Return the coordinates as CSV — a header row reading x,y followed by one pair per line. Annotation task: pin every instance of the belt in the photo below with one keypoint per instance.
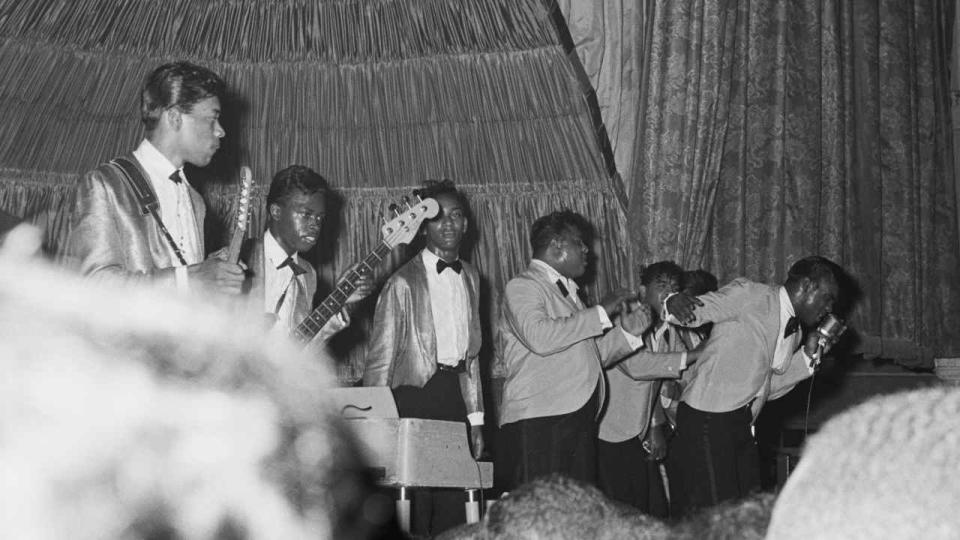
x,y
459,367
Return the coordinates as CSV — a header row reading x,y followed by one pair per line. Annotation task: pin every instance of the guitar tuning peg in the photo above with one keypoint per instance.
x,y
383,220
393,208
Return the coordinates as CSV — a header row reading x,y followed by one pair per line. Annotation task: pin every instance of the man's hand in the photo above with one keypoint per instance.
x,y
612,302
655,443
218,275
811,344
476,441
636,320
365,284
682,306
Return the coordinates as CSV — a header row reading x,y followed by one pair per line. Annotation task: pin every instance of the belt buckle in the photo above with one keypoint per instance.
x,y
460,367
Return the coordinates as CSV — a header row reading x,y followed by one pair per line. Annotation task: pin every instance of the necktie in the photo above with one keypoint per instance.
x,y
563,288
792,324
442,265
175,176
298,301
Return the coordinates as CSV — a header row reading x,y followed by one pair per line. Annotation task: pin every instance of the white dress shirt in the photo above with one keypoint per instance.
x,y
277,282
450,307
176,207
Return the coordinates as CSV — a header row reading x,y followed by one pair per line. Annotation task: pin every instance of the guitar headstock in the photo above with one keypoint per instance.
x,y
403,228
243,198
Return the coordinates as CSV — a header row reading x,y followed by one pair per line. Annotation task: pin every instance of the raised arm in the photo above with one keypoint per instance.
x,y
525,311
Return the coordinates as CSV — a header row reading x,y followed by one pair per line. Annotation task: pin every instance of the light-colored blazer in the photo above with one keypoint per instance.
x,y
111,240
736,361
551,350
634,389
403,347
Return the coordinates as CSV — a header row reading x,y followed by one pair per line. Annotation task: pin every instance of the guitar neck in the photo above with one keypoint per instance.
x,y
334,302
236,240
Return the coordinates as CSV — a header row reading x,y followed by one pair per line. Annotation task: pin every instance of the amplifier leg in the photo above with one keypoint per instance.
x,y
403,510
472,506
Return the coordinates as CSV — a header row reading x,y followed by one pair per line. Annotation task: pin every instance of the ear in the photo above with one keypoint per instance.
x,y
174,118
274,211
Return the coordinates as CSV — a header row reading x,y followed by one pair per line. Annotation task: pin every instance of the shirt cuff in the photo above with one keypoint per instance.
x,y
632,340
604,319
475,418
683,360
180,276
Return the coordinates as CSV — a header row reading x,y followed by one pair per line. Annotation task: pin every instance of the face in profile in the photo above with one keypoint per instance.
x,y
574,254
816,299
445,232
295,221
200,132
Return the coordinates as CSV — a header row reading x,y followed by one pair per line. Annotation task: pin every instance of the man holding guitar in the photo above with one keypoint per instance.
x,y
281,281
136,218
425,344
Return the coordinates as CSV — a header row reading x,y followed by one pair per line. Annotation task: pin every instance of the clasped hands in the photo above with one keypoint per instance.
x,y
635,317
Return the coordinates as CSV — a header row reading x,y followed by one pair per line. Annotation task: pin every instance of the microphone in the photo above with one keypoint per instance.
x,y
831,327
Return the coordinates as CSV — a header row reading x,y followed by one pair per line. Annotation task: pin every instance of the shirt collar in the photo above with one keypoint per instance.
x,y
154,162
430,258
274,253
553,275
786,308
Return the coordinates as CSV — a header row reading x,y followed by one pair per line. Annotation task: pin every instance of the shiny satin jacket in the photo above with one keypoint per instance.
x,y
403,351
111,239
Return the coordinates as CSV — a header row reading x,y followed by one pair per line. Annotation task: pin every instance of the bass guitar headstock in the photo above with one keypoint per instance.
x,y
407,220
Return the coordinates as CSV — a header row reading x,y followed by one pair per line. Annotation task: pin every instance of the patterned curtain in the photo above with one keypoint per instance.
x,y
774,129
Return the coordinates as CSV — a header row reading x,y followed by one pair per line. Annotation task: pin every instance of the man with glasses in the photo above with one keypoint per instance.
x,y
137,218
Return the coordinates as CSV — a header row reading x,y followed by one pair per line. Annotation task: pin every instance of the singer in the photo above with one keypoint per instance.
x,y
753,354
137,218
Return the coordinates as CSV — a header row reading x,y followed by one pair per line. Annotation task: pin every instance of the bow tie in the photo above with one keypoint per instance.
x,y
175,176
793,324
442,265
297,269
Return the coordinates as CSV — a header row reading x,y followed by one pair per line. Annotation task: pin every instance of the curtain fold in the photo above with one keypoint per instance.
x,y
777,129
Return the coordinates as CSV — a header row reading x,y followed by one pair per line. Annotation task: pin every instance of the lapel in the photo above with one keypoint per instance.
x,y
422,311
540,275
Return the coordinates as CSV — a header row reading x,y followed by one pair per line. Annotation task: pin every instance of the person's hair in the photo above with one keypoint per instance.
x,y
663,271
434,188
100,419
295,179
697,282
179,84
555,225
815,268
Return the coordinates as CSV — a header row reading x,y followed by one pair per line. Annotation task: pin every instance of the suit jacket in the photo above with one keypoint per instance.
x,y
253,255
736,361
634,389
110,239
403,348
552,351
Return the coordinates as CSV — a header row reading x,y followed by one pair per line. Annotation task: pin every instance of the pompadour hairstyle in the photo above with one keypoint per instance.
x,y
295,179
179,84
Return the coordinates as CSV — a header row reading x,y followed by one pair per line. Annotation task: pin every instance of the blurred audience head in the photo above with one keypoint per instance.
x,y
885,469
128,413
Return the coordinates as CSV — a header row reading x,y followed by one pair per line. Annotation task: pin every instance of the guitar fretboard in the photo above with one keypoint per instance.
x,y
333,303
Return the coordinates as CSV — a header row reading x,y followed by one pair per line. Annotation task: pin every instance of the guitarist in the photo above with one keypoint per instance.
x,y
281,282
136,218
425,344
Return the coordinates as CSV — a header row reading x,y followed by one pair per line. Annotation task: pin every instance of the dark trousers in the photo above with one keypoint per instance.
x,y
434,510
626,474
535,447
713,459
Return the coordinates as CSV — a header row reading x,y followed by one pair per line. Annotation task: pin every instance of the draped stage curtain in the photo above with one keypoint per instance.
x,y
774,129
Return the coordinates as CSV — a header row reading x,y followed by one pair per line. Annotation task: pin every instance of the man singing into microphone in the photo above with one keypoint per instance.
x,y
753,354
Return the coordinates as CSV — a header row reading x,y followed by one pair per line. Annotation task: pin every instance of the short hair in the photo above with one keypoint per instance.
x,y
697,282
886,468
668,271
179,84
294,179
814,268
433,188
554,225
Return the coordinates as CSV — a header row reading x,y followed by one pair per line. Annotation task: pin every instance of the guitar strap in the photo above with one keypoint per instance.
x,y
146,198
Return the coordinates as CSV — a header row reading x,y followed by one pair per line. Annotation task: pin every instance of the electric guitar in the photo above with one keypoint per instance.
x,y
400,230
242,214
